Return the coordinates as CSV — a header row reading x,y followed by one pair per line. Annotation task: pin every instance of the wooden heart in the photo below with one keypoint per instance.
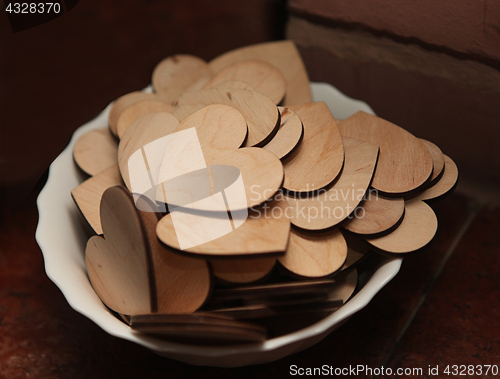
x,y
314,255
437,160
289,134
444,185
264,77
242,270
96,151
376,214
263,230
87,195
320,157
146,129
233,84
182,283
123,102
198,327
173,75
261,114
282,54
404,163
139,109
417,229
119,265
330,207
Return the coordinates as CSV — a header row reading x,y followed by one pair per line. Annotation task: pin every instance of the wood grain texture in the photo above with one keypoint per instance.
x,y
330,207
357,249
261,114
217,126
88,194
242,270
118,265
198,327
289,134
182,284
445,184
319,158
233,84
139,109
285,56
144,130
264,231
417,229
123,102
314,255
404,162
376,214
173,75
437,160
263,76
96,151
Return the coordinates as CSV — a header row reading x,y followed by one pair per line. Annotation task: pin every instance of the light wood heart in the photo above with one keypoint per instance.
x,y
96,151
237,271
264,230
144,130
319,158
289,134
233,84
437,160
316,254
376,214
87,196
217,126
264,77
330,207
182,283
404,162
123,102
417,229
261,114
118,265
282,54
173,75
139,109
445,184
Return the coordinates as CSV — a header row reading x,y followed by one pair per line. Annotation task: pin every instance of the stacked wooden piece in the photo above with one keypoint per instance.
x,y
316,195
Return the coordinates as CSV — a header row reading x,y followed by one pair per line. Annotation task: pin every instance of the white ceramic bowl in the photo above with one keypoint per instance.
x,y
62,235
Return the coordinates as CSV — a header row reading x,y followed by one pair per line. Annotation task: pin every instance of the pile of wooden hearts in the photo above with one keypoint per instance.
x,y
319,193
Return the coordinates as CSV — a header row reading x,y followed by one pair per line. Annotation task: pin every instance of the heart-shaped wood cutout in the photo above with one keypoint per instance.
x,y
263,230
233,84
122,103
404,163
182,283
87,195
417,229
173,75
242,270
261,114
146,129
96,151
319,158
330,207
282,54
314,255
376,214
437,160
444,185
262,76
139,109
289,135
118,265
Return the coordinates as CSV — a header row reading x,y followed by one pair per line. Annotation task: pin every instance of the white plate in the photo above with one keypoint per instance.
x,y
62,235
